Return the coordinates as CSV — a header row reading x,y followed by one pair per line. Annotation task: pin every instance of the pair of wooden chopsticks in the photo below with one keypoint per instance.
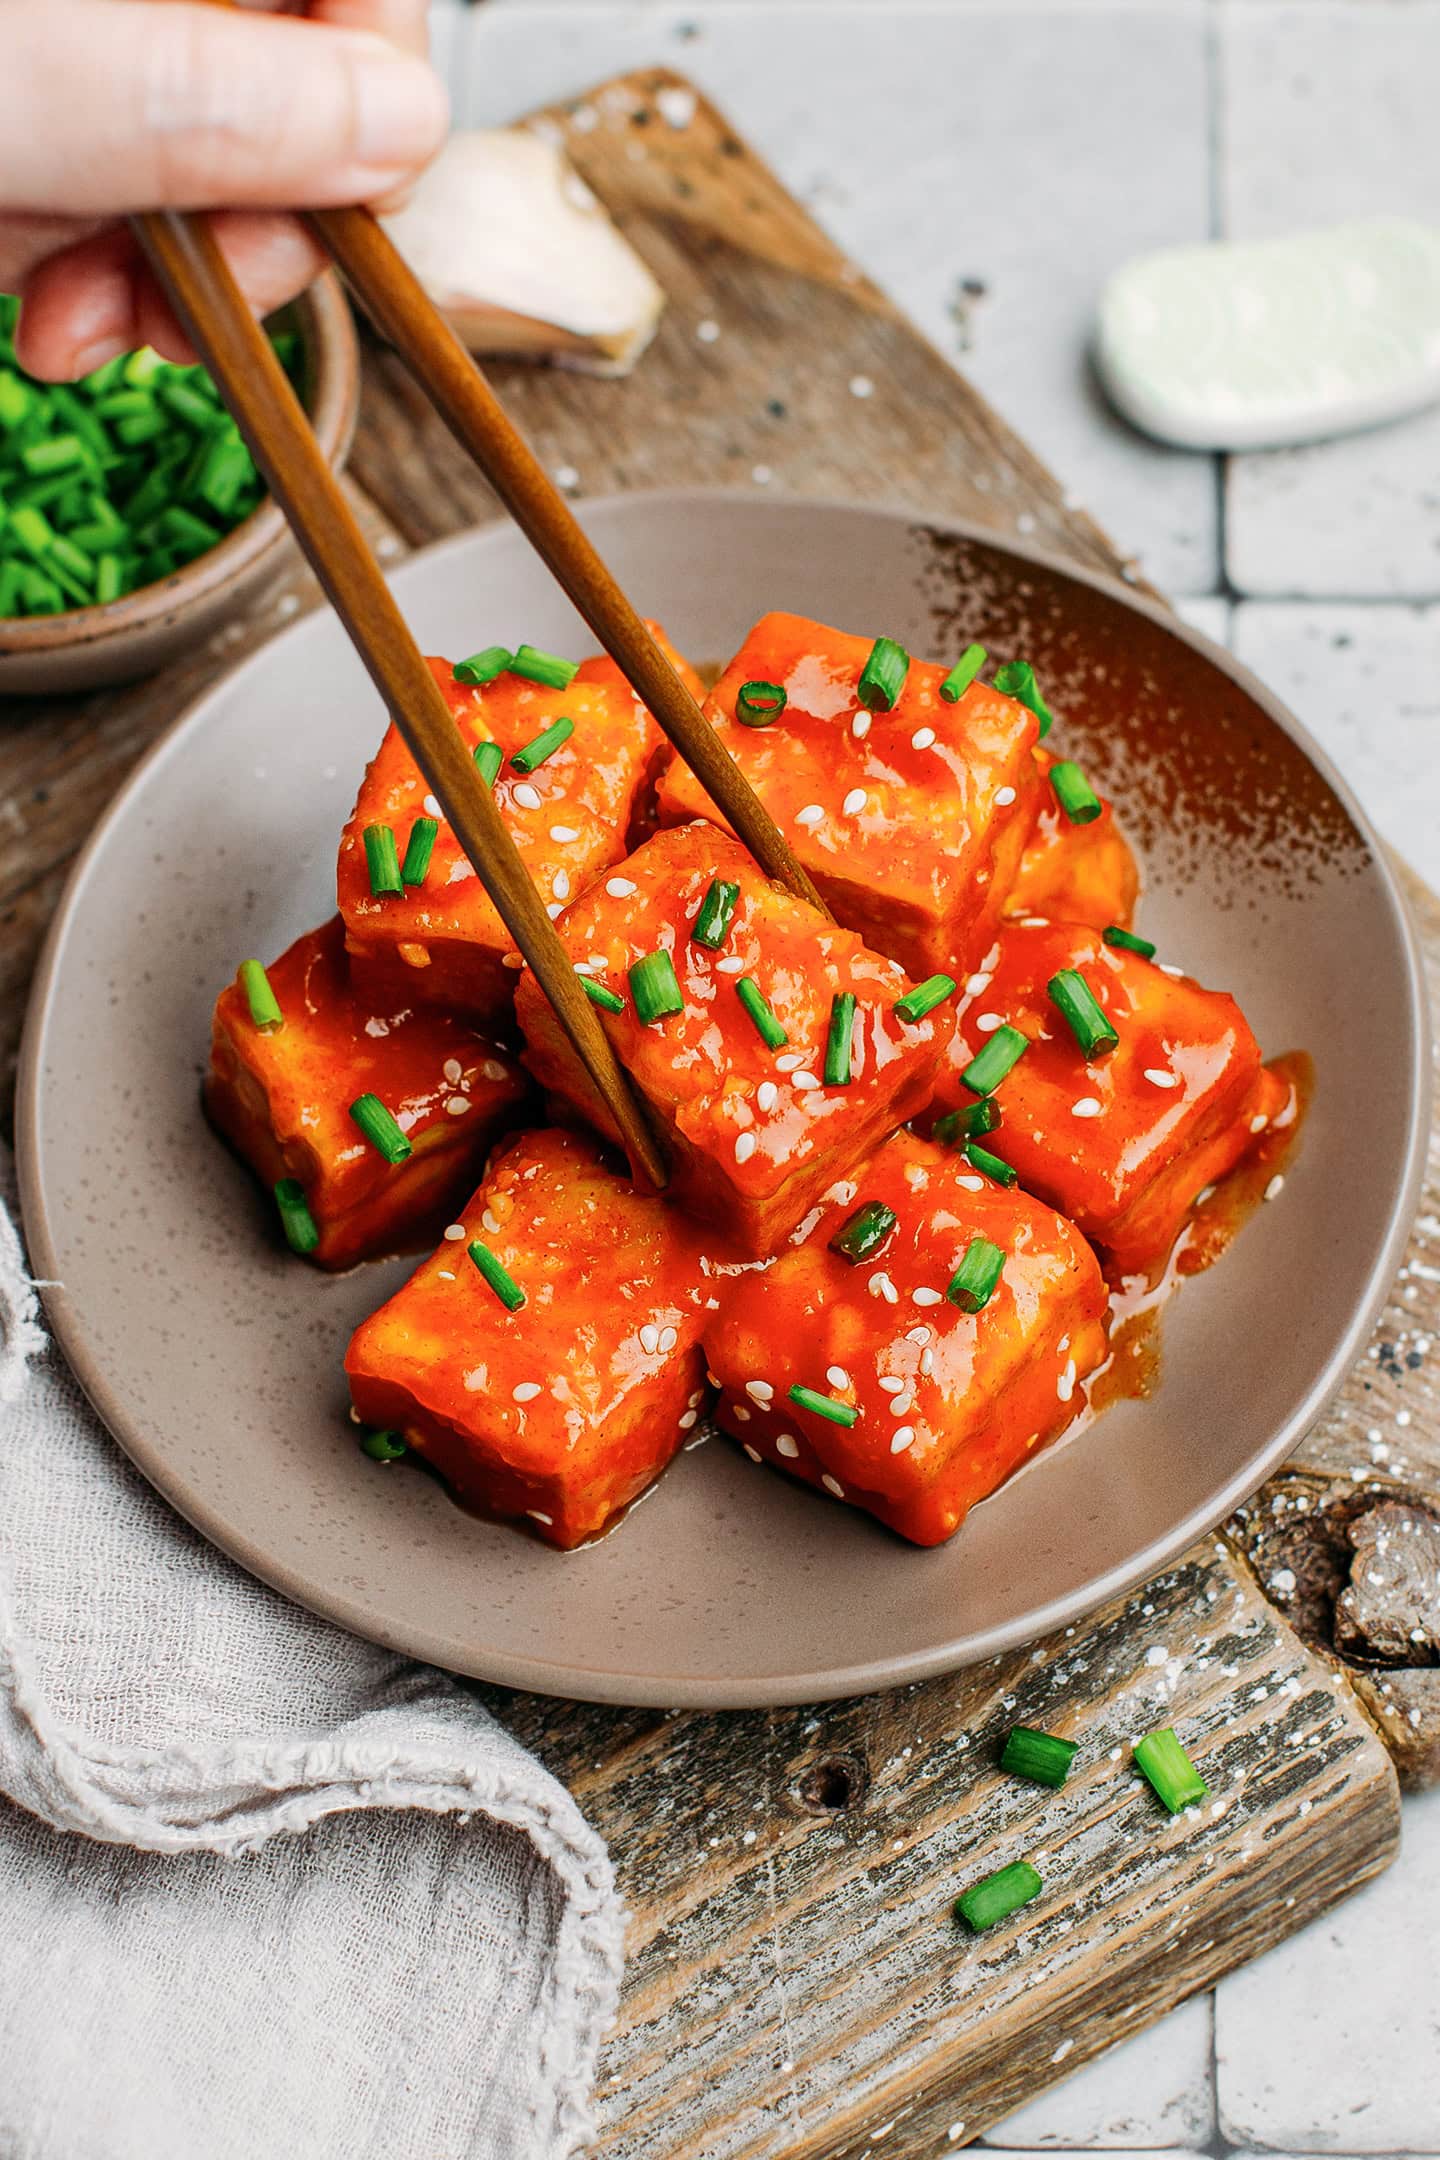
x,y
207,301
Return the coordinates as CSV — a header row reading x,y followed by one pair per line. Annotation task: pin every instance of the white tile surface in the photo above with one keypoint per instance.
x,y
1155,2090
1331,2043
1327,112
966,187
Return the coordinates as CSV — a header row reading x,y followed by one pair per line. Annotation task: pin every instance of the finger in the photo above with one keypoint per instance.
x,y
141,107
405,23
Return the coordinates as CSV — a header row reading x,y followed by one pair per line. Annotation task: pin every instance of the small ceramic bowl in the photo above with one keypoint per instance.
x,y
143,630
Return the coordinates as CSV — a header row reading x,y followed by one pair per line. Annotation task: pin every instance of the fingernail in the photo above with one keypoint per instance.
x,y
96,354
401,111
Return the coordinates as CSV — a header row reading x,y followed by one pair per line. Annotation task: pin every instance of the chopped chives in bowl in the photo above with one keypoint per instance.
x,y
1127,941
711,926
544,667
989,1066
839,1039
925,997
483,667
542,746
1074,793
960,677
1166,1767
1039,1756
418,850
1082,1011
264,1005
1017,679
865,1232
115,481
883,676
767,1027
655,987
758,703
996,1896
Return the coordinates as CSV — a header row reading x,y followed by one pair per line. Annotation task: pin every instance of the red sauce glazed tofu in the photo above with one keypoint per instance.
x,y
562,1412
1122,1143
911,822
282,1098
1075,873
753,1132
442,942
947,1402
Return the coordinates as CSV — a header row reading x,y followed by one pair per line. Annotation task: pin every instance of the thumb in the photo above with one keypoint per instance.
x,y
115,105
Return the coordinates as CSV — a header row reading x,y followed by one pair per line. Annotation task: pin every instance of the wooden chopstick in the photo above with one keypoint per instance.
x,y
200,287
400,308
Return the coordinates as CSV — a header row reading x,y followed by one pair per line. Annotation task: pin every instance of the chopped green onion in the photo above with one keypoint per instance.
x,y
1074,793
654,987
1017,679
418,850
264,1005
925,997
767,1027
483,667
883,676
57,453
717,911
608,1000
973,1284
31,528
996,1896
1087,1018
960,677
989,1066
489,757
296,1219
967,1124
542,746
1164,1764
991,1166
544,667
383,1446
758,703
383,860
823,1406
865,1232
380,1128
839,1039
1039,1756
497,1276
1126,941
109,578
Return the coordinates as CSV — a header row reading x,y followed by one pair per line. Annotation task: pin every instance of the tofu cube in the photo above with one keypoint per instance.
x,y
282,1097
560,1413
938,1404
1072,873
753,1131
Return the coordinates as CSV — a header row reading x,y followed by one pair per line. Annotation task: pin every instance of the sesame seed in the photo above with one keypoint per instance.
x,y
1275,1186
536,1516
987,1023
861,386
891,1385
1088,1106
787,1445
650,1339
922,738
668,1340
837,1376
1065,1385
432,808
971,1184
525,1390
563,833
732,964
512,960
739,1412
458,1105
761,475
901,1438
707,331
790,1063
766,1095
881,1286
584,967
1258,1124
860,726
854,802
490,1222
697,1398
976,983
565,476
1166,968
833,1485
812,814
560,885
554,908
760,1391
620,888
453,1070
925,1296
1004,796
803,1080
902,1403
528,797
753,1453
1158,1077
918,1334
687,1419
927,1360
744,1146
454,1232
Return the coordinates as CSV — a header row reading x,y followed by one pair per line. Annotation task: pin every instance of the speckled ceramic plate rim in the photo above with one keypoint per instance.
x,y
552,1676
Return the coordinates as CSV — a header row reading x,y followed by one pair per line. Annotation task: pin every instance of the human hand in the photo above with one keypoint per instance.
x,y
111,106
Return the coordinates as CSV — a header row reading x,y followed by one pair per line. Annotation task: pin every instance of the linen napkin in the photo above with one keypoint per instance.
x,y
265,1889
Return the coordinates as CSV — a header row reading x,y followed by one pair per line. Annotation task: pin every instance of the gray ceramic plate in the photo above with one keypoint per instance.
x,y
216,1361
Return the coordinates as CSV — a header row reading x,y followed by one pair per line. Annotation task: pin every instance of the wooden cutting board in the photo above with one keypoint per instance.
x,y
796,1985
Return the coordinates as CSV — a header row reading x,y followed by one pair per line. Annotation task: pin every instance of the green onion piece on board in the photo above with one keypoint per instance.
x,y
758,703
973,1284
544,745
380,1129
383,860
865,1232
989,1066
1038,1756
654,987
1082,1011
996,1896
598,994
1017,679
296,1220
383,1446
264,1005
711,926
497,1276
489,757
1074,793
839,1039
544,667
1164,1764
967,1124
991,1166
883,676
1126,941
767,1027
960,677
925,997
483,667
822,1406
418,850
